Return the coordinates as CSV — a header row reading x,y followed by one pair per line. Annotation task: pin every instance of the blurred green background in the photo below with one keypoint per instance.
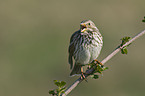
x,y
34,40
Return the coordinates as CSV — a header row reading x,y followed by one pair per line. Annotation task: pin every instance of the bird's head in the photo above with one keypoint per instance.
x,y
87,25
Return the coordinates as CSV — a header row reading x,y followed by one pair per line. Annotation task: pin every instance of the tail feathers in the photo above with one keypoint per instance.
x,y
76,70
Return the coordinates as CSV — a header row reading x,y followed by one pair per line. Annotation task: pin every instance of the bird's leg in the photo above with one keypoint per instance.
x,y
82,73
99,62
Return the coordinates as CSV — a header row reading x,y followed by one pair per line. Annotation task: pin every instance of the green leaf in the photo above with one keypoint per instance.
x,y
51,92
62,89
101,69
95,77
99,72
124,40
63,92
105,68
57,83
57,90
62,83
124,51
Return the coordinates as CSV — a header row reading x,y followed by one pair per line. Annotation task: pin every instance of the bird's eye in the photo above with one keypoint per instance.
x,y
89,24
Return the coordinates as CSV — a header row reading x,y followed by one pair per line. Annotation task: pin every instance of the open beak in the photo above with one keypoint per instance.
x,y
83,27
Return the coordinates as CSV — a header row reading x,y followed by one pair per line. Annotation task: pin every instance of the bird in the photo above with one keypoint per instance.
x,y
85,46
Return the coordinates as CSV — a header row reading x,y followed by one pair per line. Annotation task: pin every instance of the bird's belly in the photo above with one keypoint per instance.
x,y
83,56
95,51
86,55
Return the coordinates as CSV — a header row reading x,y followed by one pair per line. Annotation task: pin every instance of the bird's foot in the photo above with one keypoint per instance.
x,y
98,62
83,77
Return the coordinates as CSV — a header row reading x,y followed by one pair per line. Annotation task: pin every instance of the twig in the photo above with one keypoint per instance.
x,y
67,91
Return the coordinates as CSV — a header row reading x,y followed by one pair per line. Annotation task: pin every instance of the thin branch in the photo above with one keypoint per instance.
x,y
118,49
67,91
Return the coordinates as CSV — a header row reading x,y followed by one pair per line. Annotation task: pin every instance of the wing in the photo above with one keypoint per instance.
x,y
72,47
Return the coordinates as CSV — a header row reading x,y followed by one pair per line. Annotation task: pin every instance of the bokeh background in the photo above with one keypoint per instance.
x,y
34,40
